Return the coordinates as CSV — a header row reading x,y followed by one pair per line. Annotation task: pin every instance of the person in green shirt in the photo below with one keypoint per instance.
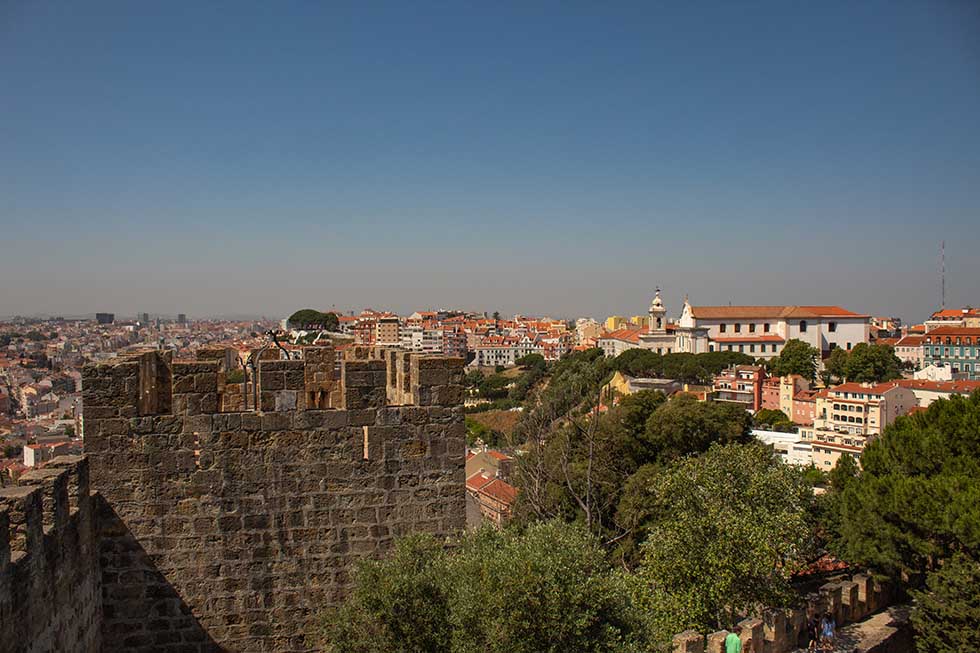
x,y
733,644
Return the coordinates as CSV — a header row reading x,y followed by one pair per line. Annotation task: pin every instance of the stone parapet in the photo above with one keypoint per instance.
x,y
783,630
50,586
231,530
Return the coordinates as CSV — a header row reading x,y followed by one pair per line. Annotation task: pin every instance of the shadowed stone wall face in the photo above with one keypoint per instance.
x,y
231,530
50,598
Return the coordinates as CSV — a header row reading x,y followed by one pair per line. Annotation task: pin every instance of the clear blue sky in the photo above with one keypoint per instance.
x,y
553,158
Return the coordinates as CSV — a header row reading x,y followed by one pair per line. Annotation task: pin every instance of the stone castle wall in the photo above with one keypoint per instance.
x,y
781,631
232,530
50,597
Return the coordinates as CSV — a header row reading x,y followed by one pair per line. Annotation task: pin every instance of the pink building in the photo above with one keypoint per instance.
x,y
741,384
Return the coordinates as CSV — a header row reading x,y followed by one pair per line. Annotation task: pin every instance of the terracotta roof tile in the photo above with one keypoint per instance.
x,y
774,312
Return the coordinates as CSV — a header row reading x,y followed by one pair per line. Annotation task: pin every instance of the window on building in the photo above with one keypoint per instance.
x,y
832,327
765,327
752,328
711,347
752,348
848,345
741,348
722,327
802,326
738,328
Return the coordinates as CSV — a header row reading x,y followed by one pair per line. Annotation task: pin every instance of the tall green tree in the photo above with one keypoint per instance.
x,y
836,364
726,531
308,318
685,425
547,589
398,605
797,357
872,364
946,614
917,501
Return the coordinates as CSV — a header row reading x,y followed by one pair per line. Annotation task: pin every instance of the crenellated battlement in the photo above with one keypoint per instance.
x,y
251,520
782,630
49,580
363,378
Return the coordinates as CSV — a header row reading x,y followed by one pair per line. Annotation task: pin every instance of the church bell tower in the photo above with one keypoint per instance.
x,y
658,315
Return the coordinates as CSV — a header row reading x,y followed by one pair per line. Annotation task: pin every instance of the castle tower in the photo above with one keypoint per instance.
x,y
658,315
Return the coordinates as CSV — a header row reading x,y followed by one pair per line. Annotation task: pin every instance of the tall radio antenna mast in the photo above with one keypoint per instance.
x,y
942,259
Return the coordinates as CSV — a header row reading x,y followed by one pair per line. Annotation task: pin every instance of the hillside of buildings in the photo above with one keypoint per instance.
x,y
825,443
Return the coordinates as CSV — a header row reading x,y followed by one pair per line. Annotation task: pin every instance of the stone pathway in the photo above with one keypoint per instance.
x,y
874,631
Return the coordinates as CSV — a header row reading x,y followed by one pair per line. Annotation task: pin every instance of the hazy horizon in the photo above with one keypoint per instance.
x,y
254,158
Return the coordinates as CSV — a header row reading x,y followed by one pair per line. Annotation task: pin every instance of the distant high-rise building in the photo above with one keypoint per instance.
x,y
181,318
144,318
105,318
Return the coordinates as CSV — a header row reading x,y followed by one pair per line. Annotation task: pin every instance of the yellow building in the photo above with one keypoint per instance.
x,y
615,322
641,321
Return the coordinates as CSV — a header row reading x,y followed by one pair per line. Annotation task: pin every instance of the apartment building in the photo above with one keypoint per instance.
x,y
968,317
849,415
909,350
954,346
454,342
387,331
741,385
504,350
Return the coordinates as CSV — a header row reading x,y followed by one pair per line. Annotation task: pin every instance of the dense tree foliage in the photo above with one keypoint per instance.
x,y
726,530
872,364
310,319
548,589
475,431
917,502
399,604
532,361
690,368
797,357
946,616
685,425
773,420
580,468
836,365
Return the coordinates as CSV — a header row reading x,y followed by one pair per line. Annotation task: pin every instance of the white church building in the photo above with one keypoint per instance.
x,y
759,331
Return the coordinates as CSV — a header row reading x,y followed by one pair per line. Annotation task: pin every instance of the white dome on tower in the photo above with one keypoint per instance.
x,y
657,304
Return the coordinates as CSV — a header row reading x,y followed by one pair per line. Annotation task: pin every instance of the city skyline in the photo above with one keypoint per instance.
x,y
552,160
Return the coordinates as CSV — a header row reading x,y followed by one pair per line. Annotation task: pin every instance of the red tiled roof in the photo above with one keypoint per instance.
x,y
823,565
500,490
956,312
477,481
875,389
954,331
718,312
910,341
959,387
750,338
626,334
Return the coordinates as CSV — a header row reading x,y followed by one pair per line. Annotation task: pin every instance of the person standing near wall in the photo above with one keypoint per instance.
x,y
733,644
